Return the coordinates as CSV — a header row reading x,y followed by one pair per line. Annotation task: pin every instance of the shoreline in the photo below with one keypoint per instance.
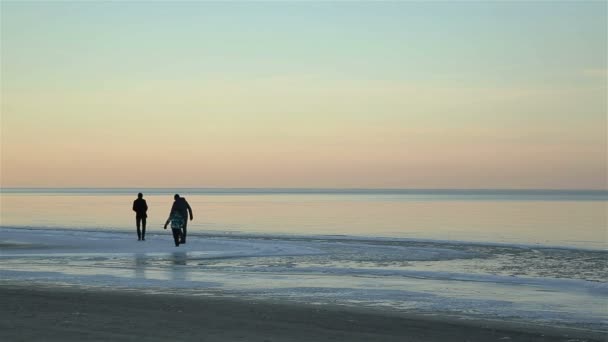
x,y
72,314
222,234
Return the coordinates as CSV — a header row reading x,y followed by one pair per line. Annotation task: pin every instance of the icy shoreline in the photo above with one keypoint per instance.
x,y
424,277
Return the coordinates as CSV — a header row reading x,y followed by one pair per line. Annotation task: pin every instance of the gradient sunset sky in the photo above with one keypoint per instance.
x,y
324,94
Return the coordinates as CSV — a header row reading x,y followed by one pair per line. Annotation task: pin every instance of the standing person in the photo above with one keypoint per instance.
x,y
177,223
140,207
181,206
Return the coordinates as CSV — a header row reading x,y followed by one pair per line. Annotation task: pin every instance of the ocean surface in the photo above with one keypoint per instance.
x,y
535,256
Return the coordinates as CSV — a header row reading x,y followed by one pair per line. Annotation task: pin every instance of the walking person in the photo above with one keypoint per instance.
x,y
140,207
177,223
181,206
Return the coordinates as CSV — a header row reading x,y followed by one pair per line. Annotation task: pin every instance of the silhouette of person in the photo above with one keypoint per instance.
x,y
140,207
181,206
177,223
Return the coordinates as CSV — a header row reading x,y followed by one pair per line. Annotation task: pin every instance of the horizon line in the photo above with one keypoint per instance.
x,y
303,188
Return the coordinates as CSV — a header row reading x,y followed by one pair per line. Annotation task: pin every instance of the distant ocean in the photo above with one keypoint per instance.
x,y
537,256
532,217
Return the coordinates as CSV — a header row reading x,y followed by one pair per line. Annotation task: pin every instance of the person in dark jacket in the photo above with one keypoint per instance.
x,y
140,207
177,224
181,206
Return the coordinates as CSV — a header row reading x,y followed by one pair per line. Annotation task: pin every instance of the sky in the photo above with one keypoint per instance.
x,y
304,94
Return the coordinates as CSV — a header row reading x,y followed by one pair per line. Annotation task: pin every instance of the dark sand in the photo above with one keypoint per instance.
x,y
60,314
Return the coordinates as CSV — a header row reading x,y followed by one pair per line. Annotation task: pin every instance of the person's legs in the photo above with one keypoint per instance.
x,y
137,220
184,230
176,236
143,226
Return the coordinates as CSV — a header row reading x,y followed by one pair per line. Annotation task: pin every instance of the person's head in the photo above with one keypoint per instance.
x,y
176,197
140,195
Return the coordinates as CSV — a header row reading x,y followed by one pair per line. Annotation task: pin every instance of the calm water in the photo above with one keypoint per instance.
x,y
560,218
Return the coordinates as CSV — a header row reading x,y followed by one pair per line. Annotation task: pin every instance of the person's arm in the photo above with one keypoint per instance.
x,y
134,208
145,206
166,223
189,211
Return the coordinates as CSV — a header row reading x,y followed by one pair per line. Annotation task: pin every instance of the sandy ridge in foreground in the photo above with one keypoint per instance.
x,y
66,314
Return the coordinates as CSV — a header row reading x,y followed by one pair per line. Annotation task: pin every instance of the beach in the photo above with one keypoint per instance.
x,y
87,277
66,314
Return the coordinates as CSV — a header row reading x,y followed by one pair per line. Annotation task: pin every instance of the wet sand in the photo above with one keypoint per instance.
x,y
66,314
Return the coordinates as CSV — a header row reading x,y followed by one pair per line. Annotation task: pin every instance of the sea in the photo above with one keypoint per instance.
x,y
528,256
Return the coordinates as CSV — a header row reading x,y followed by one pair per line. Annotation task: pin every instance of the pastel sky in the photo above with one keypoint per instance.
x,y
323,94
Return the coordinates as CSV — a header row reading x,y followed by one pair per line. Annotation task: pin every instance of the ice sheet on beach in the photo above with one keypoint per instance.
x,y
33,242
549,286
